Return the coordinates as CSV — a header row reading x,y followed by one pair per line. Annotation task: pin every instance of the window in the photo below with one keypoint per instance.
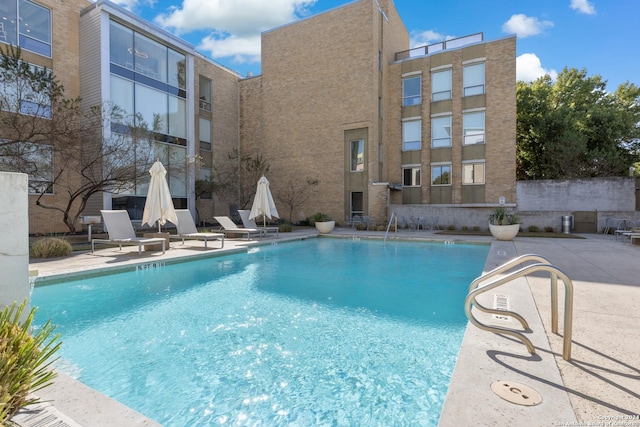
x,y
441,174
411,176
205,176
441,132
357,155
357,203
36,160
473,173
441,85
19,96
473,128
473,79
411,135
411,91
204,87
205,133
33,33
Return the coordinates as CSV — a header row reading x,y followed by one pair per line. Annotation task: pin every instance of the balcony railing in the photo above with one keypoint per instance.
x,y
437,47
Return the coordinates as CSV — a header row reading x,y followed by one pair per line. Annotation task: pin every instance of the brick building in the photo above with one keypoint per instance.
x,y
341,100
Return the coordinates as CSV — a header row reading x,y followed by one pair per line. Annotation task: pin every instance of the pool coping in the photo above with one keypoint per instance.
x,y
470,379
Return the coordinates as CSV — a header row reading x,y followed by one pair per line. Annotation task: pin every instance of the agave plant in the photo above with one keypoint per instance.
x,y
25,360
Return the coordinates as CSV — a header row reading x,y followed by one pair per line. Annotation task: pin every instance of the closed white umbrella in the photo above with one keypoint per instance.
x,y
263,203
159,206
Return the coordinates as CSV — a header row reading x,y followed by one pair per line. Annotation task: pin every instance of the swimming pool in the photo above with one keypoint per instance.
x,y
316,332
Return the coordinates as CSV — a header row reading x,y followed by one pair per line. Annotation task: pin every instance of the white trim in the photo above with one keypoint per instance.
x,y
412,73
436,115
412,119
441,163
441,68
484,161
473,61
474,110
412,165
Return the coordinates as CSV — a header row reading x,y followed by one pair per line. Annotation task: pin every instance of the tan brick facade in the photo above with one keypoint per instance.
x,y
325,80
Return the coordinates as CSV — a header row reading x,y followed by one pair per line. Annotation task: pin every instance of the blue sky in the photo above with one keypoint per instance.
x,y
602,36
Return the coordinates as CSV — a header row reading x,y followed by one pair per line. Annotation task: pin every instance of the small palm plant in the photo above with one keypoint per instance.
x,y
25,360
501,216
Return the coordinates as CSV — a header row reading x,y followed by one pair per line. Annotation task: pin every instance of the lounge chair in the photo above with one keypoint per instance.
x,y
121,232
229,227
250,223
186,229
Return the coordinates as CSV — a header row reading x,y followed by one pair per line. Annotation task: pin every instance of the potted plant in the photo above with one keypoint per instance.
x,y
323,222
503,224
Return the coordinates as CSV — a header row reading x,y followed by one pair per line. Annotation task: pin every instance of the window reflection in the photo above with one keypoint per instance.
x,y
34,31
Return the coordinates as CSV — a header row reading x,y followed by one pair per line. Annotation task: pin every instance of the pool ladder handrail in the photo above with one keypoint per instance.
x,y
543,264
393,218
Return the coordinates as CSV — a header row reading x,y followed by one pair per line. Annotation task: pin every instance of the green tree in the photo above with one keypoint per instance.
x,y
62,145
574,128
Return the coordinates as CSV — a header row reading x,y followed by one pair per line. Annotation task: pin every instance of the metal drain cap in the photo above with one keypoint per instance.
x,y
517,393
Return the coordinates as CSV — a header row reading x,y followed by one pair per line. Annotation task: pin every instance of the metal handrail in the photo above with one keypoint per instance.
x,y
393,217
524,271
508,266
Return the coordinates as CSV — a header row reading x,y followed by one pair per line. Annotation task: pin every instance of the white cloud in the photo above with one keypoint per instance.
x,y
133,4
583,6
428,37
233,26
529,68
525,26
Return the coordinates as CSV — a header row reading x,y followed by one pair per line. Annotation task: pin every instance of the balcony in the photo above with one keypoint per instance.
x,y
438,47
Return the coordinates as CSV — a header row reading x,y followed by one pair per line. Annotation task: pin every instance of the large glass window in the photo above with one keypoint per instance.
x,y
205,175
441,132
121,45
411,135
8,19
19,96
152,106
204,129
122,94
473,79
411,176
35,27
34,30
441,85
473,173
357,155
36,160
177,117
204,88
411,91
174,159
473,128
441,174
150,57
177,69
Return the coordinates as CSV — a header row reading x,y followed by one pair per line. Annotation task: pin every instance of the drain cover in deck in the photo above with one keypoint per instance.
x,y
516,393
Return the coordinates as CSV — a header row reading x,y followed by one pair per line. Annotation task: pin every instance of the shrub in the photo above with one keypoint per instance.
x,y
533,229
383,228
50,247
25,360
451,227
285,227
476,228
548,229
319,217
361,226
465,228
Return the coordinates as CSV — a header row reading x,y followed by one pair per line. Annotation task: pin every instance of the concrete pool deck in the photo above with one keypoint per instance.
x,y
599,385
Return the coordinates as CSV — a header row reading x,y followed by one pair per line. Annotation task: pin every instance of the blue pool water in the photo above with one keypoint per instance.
x,y
316,332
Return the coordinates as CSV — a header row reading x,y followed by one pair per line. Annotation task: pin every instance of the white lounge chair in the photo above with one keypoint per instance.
x,y
250,223
121,232
229,227
186,229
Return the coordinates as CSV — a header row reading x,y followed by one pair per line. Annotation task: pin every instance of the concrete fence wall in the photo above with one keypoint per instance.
x,y
543,204
14,245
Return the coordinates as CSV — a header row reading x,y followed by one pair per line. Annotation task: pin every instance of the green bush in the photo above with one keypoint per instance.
x,y
50,247
319,217
25,360
285,227
476,228
548,229
451,228
533,229
361,226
